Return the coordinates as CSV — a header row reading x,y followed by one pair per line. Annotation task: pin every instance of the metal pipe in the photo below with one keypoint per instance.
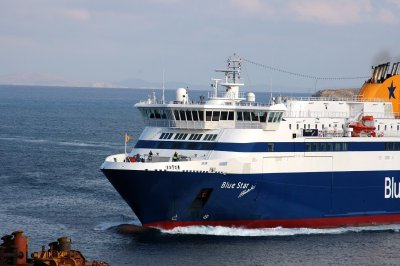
x,y
396,69
386,70
379,73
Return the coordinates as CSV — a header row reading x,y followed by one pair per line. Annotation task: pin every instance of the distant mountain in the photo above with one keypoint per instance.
x,y
36,79
170,85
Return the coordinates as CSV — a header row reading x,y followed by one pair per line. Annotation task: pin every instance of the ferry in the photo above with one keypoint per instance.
x,y
228,160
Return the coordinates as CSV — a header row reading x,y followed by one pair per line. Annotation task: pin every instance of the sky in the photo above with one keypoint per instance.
x,y
110,41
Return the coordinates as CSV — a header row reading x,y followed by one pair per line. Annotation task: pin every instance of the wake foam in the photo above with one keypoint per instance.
x,y
104,226
278,231
63,143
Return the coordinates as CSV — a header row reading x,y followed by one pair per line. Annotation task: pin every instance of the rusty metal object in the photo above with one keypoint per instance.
x,y
14,249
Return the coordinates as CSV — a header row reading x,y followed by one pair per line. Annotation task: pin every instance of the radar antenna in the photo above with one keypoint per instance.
x,y
232,73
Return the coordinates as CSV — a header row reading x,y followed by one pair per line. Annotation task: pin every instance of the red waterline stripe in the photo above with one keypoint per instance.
x,y
293,223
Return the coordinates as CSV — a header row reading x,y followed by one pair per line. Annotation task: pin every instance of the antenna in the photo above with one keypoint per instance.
x,y
163,86
215,85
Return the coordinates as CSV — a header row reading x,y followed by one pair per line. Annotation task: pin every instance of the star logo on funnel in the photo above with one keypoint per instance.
x,y
391,91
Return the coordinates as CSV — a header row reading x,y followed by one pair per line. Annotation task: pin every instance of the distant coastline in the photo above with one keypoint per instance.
x,y
38,80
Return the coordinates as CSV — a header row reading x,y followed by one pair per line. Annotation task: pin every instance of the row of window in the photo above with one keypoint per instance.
x,y
183,136
166,135
219,115
329,146
392,146
272,146
189,115
308,126
210,137
195,136
386,127
196,115
184,145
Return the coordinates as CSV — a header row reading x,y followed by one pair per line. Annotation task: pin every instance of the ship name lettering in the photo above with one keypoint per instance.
x,y
239,185
392,188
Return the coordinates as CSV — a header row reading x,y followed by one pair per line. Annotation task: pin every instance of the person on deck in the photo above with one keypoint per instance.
x,y
175,157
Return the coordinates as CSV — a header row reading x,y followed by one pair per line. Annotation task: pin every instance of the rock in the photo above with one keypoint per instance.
x,y
337,93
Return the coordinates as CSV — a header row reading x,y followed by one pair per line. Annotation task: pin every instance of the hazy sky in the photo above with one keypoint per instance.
x,y
104,40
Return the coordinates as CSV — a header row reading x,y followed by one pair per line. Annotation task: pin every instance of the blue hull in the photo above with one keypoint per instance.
x,y
169,199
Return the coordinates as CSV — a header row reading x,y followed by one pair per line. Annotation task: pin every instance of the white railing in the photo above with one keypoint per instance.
x,y
302,114
295,114
356,98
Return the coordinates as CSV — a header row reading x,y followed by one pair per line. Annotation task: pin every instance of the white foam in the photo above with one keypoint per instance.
x,y
278,231
63,143
104,226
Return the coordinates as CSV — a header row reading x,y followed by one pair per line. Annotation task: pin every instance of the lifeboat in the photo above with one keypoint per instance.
x,y
364,128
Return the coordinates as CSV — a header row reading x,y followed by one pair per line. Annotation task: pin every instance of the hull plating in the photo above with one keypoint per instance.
x,y
327,199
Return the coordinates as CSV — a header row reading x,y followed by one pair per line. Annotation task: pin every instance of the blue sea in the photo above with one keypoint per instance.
x,y
52,143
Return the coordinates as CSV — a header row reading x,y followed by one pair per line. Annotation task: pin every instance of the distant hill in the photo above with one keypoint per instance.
x,y
49,80
337,93
35,79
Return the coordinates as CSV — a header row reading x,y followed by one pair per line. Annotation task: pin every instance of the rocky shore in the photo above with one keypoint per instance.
x,y
337,93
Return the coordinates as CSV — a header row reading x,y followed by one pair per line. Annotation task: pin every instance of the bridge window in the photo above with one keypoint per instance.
x,y
189,115
182,115
176,114
271,117
157,114
201,116
208,115
280,116
276,118
240,116
254,117
224,115
231,116
195,116
263,116
246,116
215,116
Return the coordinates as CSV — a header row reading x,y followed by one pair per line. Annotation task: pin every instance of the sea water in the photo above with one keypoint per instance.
x,y
52,143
